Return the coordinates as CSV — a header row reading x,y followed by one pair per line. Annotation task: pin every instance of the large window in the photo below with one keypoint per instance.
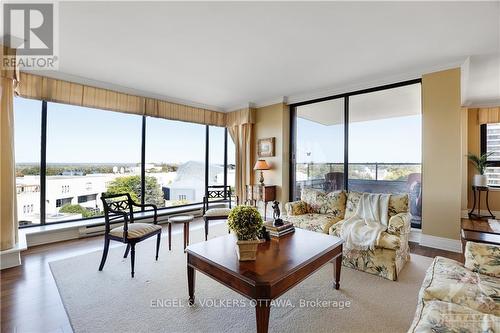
x,y
320,146
67,156
490,143
27,119
367,141
89,152
175,160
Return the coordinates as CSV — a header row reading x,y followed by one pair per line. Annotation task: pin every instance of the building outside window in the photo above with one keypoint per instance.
x,y
491,144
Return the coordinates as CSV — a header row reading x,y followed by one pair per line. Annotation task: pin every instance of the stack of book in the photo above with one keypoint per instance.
x,y
280,231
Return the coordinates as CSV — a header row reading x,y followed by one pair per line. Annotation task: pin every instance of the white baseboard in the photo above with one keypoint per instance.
x,y
496,213
415,235
12,257
448,244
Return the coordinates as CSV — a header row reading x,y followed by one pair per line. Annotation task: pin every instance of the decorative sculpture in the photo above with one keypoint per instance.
x,y
276,214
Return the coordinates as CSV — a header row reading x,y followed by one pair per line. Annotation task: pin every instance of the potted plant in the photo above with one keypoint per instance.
x,y
480,163
246,223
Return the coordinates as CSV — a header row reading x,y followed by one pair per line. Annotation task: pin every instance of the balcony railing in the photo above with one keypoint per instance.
x,y
364,177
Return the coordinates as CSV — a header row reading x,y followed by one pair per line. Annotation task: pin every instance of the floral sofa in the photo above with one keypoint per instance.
x,y
461,298
325,212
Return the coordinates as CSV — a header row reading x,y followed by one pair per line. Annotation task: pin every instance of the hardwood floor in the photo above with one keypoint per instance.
x,y
30,300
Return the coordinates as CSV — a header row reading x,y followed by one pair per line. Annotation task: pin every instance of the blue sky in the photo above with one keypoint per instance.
x,y
387,140
83,135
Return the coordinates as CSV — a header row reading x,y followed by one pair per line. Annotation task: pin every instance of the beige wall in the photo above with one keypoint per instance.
x,y
273,121
474,147
442,156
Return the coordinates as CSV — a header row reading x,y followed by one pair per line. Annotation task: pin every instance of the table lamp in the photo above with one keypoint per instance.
x,y
261,165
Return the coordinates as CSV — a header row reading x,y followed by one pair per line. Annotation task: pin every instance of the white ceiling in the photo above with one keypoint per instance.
x,y
397,102
224,55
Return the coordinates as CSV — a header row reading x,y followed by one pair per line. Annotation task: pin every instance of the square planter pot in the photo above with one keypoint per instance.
x,y
247,250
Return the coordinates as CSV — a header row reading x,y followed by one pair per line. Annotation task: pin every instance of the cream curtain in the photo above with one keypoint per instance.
x,y
241,129
488,115
44,88
8,207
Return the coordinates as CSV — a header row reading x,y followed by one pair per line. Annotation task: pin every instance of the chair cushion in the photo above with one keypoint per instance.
x,y
223,212
135,230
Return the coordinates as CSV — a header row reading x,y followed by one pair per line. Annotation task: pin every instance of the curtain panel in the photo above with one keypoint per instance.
x,y
240,125
488,115
60,91
8,205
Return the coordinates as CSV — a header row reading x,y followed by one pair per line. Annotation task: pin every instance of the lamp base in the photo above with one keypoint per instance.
x,y
261,179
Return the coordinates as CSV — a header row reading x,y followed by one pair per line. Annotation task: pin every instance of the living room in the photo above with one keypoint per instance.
x,y
250,166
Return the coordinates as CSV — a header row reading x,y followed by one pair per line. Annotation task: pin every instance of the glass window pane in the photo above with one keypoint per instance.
x,y
231,163
216,156
175,158
493,146
27,129
385,143
320,146
89,151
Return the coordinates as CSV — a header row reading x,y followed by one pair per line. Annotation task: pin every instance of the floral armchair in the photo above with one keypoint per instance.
x,y
326,212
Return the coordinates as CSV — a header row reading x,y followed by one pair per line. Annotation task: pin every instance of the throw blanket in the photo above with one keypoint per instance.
x,y
362,231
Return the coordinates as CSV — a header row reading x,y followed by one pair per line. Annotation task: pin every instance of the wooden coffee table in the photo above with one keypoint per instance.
x,y
280,265
478,231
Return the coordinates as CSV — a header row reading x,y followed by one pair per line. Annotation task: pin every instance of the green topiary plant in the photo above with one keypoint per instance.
x,y
245,221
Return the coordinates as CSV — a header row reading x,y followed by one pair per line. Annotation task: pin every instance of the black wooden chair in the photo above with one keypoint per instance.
x,y
121,207
215,195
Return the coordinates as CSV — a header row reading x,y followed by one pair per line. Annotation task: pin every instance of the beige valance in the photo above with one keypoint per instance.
x,y
488,115
60,91
240,117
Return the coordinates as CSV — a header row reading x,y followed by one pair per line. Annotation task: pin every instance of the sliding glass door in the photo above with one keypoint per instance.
x,y
370,138
320,146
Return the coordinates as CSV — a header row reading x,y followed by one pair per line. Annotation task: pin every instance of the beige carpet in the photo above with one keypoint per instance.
x,y
156,299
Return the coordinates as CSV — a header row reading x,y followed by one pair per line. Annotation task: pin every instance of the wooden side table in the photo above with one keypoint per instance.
x,y
185,220
478,215
478,231
260,193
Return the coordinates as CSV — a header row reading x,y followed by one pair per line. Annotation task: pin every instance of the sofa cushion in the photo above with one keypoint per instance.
x,y
449,281
320,202
483,258
313,222
386,240
297,208
398,203
438,316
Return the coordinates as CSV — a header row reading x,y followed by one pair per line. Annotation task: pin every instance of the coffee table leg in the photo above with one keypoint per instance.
x,y
185,235
191,283
262,310
338,265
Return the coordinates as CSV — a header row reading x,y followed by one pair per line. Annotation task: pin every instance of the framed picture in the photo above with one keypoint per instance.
x,y
265,147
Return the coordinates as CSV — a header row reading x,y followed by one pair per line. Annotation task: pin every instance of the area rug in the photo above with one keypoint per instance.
x,y
156,299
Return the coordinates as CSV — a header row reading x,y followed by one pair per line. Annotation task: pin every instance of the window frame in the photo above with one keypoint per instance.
x,y
483,130
43,168
345,96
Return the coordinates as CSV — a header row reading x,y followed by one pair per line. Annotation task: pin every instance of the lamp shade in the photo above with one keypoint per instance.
x,y
261,165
